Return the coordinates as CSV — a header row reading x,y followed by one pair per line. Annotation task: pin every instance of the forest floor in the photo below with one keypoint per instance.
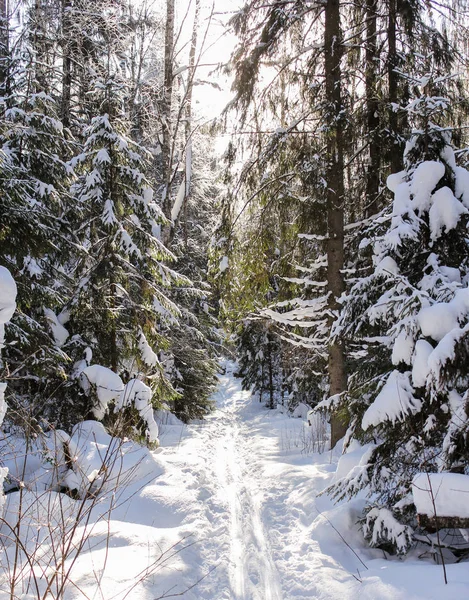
x,y
228,509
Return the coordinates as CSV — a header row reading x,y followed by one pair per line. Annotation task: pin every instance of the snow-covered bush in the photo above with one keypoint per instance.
x,y
409,322
7,308
106,389
103,385
138,395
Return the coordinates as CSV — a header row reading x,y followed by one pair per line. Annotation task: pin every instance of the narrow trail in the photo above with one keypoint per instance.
x,y
245,488
232,478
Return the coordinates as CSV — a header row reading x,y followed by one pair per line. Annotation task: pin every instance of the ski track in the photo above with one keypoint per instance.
x,y
232,490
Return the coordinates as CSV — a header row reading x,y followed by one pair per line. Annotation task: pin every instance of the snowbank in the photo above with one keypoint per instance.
x,y
301,411
7,295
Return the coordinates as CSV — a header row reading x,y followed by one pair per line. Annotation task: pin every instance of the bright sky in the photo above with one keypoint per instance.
x,y
212,90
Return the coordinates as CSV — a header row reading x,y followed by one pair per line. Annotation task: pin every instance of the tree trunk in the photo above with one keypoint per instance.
x,y
271,374
167,147
335,199
395,150
374,164
188,115
66,64
4,46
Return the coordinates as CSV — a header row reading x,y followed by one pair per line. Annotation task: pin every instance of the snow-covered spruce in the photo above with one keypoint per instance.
x,y
408,322
34,182
122,309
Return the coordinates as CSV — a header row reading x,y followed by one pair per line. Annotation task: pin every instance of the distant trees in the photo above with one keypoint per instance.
x,y
329,122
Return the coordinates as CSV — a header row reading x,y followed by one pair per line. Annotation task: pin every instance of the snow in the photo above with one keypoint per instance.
x,y
102,156
423,182
441,494
7,308
462,185
58,330
395,179
226,509
380,520
453,275
445,212
100,459
223,264
139,394
109,218
301,411
403,348
7,295
176,209
33,267
356,455
127,245
108,386
441,318
387,266
393,403
8,292
149,357
420,367
437,320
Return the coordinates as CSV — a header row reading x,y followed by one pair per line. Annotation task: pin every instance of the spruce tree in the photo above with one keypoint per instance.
x,y
36,239
121,303
407,322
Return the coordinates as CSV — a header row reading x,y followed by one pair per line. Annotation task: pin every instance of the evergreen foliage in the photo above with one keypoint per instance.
x,y
81,220
407,326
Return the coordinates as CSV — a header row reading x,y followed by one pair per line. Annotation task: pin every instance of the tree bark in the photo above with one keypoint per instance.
x,y
4,46
335,199
167,148
271,374
66,64
374,164
188,116
395,150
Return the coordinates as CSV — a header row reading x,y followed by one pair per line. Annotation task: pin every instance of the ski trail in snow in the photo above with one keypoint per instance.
x,y
251,568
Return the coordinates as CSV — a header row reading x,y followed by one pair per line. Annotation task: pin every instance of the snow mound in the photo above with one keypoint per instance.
x,y
301,411
7,295
104,463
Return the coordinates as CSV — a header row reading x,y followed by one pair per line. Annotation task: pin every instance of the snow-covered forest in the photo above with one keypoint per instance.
x,y
234,299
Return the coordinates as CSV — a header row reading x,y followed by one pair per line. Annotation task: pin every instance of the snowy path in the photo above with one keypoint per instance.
x,y
252,538
251,567
262,531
